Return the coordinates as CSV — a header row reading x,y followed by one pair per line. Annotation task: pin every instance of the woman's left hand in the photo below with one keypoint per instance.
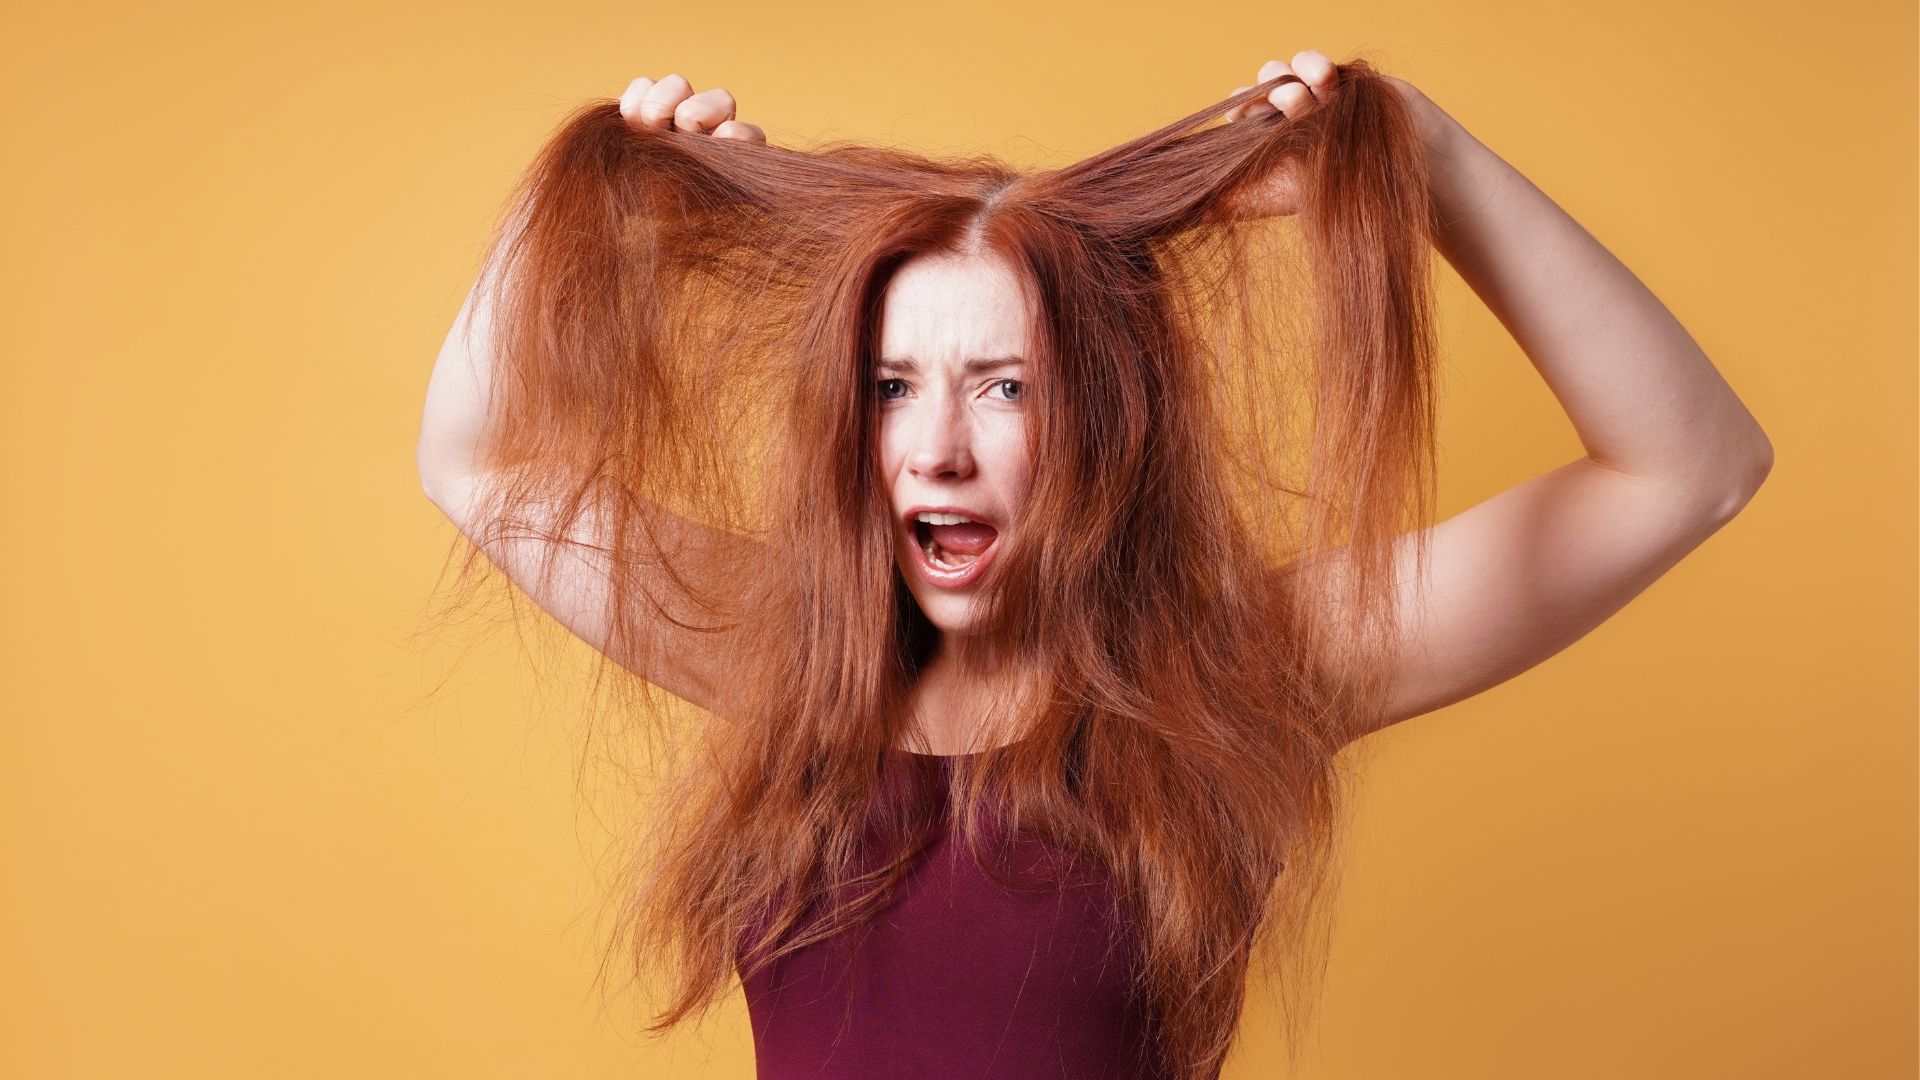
x,y
1278,195
1318,79
1317,76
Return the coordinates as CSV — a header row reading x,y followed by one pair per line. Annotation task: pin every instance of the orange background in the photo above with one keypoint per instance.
x,y
246,836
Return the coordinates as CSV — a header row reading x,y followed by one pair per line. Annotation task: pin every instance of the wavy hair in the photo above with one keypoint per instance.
x,y
1221,396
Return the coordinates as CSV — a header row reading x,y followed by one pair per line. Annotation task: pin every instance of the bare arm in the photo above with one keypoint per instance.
x,y
453,425
1671,453
453,428
451,451
1645,400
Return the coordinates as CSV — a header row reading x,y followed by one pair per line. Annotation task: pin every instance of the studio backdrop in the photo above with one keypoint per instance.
x,y
269,812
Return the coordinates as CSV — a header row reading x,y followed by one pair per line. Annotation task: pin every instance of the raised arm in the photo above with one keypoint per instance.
x,y
1671,453
575,587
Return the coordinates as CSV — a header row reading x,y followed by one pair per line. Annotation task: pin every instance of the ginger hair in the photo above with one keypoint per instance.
x,y
1221,400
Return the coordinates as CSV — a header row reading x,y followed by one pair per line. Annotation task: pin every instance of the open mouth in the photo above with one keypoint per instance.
x,y
953,547
953,555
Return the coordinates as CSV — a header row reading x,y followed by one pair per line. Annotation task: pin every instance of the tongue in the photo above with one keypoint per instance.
x,y
970,538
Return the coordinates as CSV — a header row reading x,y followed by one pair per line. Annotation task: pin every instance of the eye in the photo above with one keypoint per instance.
x,y
1016,384
881,388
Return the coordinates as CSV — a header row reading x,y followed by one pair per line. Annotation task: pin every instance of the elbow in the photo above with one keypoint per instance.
x,y
423,466
439,466
1762,462
454,493
1747,477
434,480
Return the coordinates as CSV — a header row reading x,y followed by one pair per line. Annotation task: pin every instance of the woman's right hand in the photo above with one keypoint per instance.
x,y
671,105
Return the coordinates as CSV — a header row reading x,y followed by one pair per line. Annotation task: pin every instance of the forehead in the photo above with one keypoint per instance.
x,y
943,309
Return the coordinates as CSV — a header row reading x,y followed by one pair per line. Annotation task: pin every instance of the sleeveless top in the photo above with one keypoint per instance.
x,y
959,976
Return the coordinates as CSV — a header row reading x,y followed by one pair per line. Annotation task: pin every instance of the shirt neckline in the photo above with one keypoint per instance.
x,y
955,757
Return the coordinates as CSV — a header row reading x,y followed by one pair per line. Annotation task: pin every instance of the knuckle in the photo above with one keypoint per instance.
x,y
635,91
664,96
669,90
719,101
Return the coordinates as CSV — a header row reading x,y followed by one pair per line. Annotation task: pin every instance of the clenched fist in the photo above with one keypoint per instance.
x,y
671,105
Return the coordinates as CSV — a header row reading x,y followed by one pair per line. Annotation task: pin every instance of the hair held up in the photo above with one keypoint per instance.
x,y
1230,424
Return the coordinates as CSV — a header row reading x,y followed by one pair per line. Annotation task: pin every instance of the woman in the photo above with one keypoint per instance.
x,y
1039,558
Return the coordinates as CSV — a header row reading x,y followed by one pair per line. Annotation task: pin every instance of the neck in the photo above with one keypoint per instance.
x,y
969,697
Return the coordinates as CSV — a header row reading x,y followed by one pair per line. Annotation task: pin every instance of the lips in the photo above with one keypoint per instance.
x,y
913,513
944,578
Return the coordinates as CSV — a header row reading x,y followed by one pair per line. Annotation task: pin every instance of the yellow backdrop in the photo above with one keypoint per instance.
x,y
248,833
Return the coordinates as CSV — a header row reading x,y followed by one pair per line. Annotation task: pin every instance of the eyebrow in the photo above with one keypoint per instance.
x,y
972,367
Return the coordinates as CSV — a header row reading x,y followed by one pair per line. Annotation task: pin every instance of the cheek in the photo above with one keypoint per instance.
x,y
886,457
1012,471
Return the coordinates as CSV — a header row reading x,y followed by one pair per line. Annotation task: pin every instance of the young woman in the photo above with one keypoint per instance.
x,y
1038,556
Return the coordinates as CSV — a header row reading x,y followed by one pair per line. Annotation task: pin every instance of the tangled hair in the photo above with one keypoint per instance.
x,y
683,331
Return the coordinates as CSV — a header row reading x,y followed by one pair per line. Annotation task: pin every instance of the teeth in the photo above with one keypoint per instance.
x,y
942,519
931,548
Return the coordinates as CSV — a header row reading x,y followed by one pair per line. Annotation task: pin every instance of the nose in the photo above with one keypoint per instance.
x,y
942,444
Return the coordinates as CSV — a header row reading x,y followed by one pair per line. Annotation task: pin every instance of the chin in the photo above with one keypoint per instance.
x,y
948,614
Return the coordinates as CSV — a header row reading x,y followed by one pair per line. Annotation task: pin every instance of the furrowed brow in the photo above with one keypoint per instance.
x,y
972,367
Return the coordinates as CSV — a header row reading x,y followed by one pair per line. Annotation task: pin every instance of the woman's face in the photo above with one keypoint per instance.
x,y
950,386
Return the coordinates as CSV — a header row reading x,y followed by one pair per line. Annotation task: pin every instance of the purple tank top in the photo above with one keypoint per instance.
x,y
961,977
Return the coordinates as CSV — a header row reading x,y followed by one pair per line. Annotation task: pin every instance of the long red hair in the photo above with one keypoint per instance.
x,y
689,323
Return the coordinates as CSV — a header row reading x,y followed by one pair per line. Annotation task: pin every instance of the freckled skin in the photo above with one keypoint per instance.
x,y
946,436
950,437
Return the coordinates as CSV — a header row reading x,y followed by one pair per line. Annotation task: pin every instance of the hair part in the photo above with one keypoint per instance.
x,y
689,323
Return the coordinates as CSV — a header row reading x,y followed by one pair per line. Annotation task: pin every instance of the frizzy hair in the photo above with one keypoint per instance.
x,y
1230,423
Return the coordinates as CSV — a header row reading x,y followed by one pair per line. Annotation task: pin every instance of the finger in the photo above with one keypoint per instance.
x,y
704,111
1316,68
630,99
1234,113
1288,95
1247,108
739,129
657,104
